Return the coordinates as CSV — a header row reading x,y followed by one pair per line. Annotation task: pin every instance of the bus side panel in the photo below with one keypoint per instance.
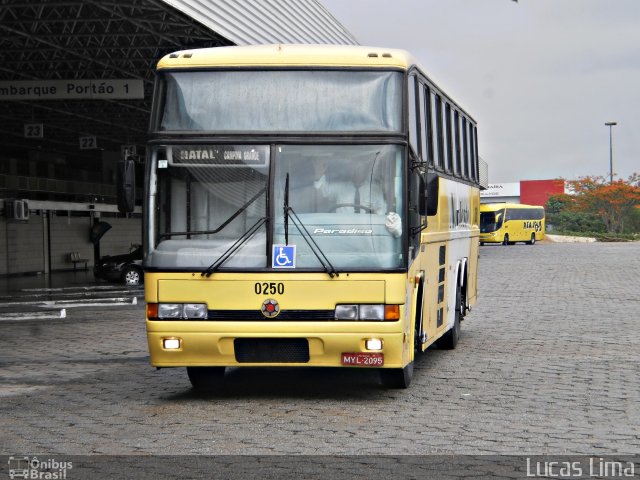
x,y
450,247
472,272
474,252
433,272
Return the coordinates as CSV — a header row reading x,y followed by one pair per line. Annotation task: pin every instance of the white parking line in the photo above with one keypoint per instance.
x,y
13,316
99,302
60,295
90,287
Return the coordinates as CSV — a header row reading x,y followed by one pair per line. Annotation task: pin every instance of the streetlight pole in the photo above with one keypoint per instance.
x,y
610,125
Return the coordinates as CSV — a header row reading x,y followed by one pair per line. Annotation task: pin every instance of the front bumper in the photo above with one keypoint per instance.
x,y
489,238
202,348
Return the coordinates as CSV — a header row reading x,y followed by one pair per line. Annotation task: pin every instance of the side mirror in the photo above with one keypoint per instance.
x,y
421,200
126,183
432,194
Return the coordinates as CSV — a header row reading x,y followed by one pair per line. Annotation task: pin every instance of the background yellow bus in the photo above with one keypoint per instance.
x,y
306,206
508,223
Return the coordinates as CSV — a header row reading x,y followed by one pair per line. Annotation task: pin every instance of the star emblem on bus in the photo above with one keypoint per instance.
x,y
270,308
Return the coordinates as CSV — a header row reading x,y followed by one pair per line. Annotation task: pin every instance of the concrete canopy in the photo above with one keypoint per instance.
x,y
98,40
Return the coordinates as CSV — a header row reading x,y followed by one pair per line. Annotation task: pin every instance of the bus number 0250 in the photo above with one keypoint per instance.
x,y
270,288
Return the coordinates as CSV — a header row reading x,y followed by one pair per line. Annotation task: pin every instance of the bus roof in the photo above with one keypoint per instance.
x,y
289,55
285,55
492,207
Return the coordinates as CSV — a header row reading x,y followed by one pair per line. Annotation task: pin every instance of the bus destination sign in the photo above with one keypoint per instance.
x,y
222,155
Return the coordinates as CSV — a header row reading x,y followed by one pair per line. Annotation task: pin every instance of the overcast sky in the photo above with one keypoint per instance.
x,y
541,77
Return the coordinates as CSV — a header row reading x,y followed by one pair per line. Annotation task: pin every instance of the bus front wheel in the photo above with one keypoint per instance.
x,y
506,239
533,239
205,378
396,377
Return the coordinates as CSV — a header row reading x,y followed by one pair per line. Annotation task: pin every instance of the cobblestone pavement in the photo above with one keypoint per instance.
x,y
548,363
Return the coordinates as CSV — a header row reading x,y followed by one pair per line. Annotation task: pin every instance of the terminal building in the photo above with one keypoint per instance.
x,y
76,80
527,192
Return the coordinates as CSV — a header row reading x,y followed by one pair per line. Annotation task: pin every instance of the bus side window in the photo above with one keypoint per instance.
x,y
465,148
413,113
448,144
456,142
428,120
423,123
436,115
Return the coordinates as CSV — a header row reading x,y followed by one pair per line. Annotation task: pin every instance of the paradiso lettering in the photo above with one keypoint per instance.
x,y
345,231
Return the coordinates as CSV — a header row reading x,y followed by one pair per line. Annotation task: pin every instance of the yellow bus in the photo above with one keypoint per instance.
x,y
306,206
508,223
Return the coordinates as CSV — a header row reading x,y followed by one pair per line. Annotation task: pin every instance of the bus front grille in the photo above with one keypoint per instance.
x,y
271,350
256,315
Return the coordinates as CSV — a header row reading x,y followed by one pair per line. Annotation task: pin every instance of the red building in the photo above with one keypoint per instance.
x,y
537,192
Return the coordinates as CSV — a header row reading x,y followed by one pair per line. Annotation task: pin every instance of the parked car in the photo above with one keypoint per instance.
x,y
125,268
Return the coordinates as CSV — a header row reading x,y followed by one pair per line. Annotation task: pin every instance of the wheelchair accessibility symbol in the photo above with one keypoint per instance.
x,y
284,256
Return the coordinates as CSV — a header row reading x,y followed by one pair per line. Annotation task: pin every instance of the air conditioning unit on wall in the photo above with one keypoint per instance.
x,y
16,209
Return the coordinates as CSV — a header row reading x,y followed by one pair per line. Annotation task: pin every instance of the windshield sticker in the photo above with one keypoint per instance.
x,y
284,256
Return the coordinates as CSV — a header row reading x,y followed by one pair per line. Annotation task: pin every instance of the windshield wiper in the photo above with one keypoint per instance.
x,y
286,210
317,251
234,248
224,224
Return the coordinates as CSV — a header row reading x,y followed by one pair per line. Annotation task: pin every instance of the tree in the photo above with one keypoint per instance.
x,y
614,203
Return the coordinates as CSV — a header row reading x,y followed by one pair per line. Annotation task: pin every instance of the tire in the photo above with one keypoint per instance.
x,y
132,276
396,377
533,239
482,244
205,379
462,305
450,339
506,239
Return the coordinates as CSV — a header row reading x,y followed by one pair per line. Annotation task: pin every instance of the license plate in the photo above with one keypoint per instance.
x,y
363,359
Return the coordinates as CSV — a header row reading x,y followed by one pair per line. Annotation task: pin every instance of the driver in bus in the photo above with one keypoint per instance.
x,y
358,194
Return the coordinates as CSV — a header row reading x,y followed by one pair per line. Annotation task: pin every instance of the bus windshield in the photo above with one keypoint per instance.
x,y
282,101
491,221
347,199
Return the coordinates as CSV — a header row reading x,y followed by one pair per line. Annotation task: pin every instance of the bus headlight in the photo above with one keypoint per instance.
x,y
366,312
186,311
169,310
195,310
346,312
371,312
